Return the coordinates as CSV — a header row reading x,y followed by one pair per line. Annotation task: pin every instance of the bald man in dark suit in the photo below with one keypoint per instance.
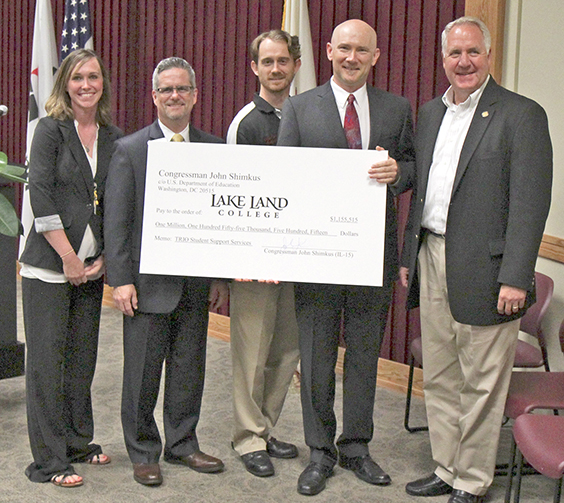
x,y
346,113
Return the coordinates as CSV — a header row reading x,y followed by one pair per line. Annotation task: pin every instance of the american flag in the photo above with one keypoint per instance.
x,y
76,32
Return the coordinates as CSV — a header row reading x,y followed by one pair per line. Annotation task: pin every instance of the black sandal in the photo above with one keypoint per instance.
x,y
60,480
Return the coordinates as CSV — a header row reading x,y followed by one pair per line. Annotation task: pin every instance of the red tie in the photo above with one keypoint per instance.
x,y
352,125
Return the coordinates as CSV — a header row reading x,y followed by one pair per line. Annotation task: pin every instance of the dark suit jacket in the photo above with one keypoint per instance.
x,y
311,119
499,203
123,222
61,183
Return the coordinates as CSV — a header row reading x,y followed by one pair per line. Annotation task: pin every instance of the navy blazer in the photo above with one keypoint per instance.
x,y
61,183
312,119
123,221
499,203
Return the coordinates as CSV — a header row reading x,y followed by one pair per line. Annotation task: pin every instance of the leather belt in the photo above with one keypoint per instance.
x,y
429,231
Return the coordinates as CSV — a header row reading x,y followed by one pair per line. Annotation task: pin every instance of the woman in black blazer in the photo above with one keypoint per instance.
x,y
62,268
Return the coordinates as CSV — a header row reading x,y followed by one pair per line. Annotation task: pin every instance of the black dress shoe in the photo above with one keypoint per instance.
x,y
428,486
198,461
279,449
365,469
312,480
258,463
459,496
148,474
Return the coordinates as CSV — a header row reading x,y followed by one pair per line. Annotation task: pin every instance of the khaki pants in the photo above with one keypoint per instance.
x,y
466,372
264,349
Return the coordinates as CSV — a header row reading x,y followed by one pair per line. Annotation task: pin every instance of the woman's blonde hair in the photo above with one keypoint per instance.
x,y
58,104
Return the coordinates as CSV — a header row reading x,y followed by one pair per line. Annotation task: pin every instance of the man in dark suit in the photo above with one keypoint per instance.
x,y
165,316
346,113
484,170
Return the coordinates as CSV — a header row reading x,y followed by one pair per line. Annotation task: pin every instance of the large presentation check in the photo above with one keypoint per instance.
x,y
281,213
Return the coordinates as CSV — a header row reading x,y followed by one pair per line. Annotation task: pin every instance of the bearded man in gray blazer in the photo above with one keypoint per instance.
x,y
484,174
322,117
165,317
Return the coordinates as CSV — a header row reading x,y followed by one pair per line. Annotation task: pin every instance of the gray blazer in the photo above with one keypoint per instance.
x,y
311,119
123,221
499,203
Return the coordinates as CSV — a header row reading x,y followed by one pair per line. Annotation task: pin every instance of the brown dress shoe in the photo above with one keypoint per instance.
x,y
148,474
198,461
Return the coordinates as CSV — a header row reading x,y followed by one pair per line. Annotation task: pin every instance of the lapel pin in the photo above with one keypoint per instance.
x,y
485,114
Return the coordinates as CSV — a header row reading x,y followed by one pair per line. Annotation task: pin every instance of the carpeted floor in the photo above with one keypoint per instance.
x,y
405,456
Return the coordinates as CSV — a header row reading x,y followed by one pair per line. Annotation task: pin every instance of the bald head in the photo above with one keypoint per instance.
x,y
353,52
355,26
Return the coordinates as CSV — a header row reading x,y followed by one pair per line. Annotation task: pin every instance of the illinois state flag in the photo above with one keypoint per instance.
x,y
44,63
296,22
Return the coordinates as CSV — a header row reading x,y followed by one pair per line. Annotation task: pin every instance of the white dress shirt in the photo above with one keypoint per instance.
x,y
361,105
168,134
446,155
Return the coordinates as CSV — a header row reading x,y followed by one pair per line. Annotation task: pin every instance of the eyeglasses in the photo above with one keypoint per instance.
x,y
181,90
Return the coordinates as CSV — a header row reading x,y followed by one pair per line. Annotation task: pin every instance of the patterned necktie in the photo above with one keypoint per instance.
x,y
352,125
177,137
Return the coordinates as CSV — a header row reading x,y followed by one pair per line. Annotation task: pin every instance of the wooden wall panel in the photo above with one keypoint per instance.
x,y
492,12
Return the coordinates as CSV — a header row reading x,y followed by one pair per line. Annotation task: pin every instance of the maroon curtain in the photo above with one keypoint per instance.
x,y
214,36
132,37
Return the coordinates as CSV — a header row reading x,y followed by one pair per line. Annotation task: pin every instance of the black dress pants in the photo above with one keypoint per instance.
x,y
318,309
179,339
61,327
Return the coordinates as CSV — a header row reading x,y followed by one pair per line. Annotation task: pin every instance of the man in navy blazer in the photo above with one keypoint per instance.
x,y
165,316
484,174
317,118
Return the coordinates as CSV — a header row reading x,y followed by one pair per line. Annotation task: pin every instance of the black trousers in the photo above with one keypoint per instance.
x,y
179,339
61,327
318,309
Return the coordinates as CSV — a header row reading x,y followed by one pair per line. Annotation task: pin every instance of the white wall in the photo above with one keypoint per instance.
x,y
534,66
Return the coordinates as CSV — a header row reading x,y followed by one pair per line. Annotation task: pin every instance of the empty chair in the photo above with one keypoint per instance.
x,y
416,350
526,355
529,391
540,440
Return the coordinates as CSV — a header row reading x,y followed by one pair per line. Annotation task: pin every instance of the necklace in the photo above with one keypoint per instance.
x,y
90,140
